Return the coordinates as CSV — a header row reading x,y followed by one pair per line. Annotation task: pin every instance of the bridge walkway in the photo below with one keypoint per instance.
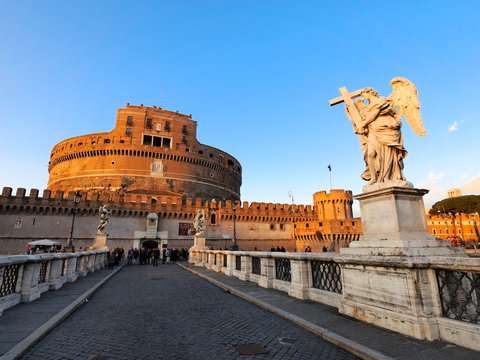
x,y
143,312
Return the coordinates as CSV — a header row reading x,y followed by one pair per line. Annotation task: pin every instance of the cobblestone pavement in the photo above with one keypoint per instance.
x,y
167,313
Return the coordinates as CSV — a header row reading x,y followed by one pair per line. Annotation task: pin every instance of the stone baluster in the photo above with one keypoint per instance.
x,y
301,276
268,272
244,274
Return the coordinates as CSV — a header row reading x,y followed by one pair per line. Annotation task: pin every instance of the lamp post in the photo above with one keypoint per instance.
x,y
76,200
290,195
234,246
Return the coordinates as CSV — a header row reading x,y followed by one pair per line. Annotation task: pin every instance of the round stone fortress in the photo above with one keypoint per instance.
x,y
150,151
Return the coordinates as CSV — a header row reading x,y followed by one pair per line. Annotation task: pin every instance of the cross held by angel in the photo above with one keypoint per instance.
x,y
377,122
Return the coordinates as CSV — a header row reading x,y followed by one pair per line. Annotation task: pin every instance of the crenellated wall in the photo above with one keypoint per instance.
x,y
25,216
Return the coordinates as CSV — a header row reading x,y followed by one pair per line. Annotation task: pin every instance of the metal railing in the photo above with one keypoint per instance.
x,y
256,265
460,295
9,279
238,262
283,269
326,275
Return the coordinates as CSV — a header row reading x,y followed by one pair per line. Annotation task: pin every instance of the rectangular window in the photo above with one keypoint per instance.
x,y
166,143
129,120
307,225
147,140
184,129
128,131
149,123
184,140
157,141
320,224
282,226
167,126
272,226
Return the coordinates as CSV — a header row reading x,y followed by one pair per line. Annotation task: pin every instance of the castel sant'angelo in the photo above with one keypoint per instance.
x,y
153,174
150,151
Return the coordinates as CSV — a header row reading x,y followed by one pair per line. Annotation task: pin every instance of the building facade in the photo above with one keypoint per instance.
x,y
460,229
150,151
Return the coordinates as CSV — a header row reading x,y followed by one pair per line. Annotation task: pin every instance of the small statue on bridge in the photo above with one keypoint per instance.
x,y
377,122
199,223
104,213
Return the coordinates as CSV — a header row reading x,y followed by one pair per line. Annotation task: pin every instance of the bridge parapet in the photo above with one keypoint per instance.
x,y
24,278
443,292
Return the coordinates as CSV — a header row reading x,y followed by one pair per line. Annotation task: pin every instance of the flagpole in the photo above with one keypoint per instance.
x,y
330,173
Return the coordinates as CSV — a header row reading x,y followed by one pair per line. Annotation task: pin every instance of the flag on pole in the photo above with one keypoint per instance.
x,y
329,168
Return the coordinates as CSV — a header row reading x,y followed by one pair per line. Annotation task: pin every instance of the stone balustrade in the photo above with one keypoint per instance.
x,y
23,278
443,300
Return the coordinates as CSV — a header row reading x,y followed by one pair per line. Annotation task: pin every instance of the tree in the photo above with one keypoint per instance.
x,y
462,204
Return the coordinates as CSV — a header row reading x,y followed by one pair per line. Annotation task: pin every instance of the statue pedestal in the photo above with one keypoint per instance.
x,y
394,224
100,241
386,277
199,243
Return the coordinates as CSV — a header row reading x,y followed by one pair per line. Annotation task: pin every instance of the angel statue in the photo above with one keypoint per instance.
x,y
199,223
103,212
377,122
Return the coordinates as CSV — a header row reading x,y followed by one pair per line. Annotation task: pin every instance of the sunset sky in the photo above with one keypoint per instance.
x,y
255,75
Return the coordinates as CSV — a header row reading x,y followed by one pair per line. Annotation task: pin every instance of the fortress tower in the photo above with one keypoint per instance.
x,y
149,152
336,205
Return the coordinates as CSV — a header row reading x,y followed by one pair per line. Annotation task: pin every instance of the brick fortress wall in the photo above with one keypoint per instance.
x,y
150,151
24,218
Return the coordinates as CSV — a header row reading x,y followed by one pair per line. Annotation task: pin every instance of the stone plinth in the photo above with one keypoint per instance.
x,y
199,243
394,224
100,241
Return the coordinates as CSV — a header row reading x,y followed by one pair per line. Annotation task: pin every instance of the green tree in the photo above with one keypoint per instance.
x,y
463,204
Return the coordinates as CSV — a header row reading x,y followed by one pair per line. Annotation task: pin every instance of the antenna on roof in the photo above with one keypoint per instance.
x,y
161,97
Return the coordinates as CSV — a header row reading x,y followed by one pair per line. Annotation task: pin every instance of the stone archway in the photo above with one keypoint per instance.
x,y
150,244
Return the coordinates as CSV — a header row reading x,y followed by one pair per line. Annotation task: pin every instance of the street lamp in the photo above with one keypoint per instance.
x,y
76,199
290,195
234,246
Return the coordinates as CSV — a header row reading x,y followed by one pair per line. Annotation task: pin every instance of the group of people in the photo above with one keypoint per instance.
x,y
146,256
278,249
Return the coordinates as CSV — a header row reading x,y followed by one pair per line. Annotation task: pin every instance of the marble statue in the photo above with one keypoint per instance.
x,y
377,122
199,223
104,213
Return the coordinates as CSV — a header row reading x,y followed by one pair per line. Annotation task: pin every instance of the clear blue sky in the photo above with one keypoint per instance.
x,y
256,75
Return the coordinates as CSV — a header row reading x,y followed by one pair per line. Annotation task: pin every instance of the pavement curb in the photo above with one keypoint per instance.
x,y
43,330
352,347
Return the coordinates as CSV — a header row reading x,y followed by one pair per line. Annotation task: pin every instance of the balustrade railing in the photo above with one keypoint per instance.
x,y
24,278
451,302
238,262
42,276
9,279
283,270
460,295
256,265
326,275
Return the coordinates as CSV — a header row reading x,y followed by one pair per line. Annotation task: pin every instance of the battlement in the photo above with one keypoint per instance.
x,y
140,205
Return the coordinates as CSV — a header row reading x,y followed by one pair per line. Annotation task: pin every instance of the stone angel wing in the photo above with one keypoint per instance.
x,y
406,103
